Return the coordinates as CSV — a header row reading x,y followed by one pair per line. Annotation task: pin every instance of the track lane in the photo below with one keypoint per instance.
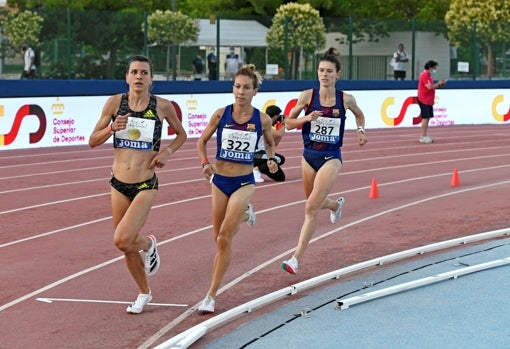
x,y
184,208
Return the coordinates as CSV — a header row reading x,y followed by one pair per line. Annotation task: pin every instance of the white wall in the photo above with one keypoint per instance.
x,y
429,46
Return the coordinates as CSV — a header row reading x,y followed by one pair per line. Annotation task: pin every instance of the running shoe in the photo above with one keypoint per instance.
x,y
290,266
140,302
152,257
207,306
334,216
257,175
252,218
426,139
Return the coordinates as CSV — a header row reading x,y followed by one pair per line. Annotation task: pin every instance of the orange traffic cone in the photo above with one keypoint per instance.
x,y
455,178
374,192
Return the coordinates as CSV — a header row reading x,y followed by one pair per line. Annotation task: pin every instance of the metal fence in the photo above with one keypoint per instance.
x,y
77,44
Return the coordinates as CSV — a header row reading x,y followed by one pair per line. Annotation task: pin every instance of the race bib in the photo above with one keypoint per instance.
x,y
238,145
138,134
325,130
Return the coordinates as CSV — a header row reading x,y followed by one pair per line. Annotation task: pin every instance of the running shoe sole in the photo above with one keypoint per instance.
x,y
152,260
288,268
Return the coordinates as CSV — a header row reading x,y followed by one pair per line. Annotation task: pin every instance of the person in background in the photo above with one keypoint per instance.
x,y
232,64
260,161
453,59
212,63
198,67
322,132
29,61
426,95
135,121
238,128
401,57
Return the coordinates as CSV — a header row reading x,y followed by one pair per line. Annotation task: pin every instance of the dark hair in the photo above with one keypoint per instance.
x,y
273,110
250,71
331,55
139,58
430,64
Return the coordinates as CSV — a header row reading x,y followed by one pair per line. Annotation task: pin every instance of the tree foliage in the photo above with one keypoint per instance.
x,y
109,5
22,26
167,28
491,18
296,27
171,28
104,32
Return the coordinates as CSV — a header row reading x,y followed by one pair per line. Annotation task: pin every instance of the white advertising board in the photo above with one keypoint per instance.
x,y
59,121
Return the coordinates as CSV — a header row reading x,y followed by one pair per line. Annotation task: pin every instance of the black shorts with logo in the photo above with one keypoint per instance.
x,y
130,190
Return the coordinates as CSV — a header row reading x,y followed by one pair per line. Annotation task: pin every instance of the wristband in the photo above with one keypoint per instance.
x,y
204,163
361,129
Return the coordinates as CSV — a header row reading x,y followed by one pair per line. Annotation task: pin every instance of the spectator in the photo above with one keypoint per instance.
x,y
212,62
198,67
260,160
484,63
400,59
453,59
29,61
232,64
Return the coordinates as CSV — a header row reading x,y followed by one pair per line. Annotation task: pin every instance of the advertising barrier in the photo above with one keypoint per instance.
x,y
28,122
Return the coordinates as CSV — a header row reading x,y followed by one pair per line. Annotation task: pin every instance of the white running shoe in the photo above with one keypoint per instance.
x,y
207,306
152,260
291,266
252,218
426,139
334,216
140,302
257,175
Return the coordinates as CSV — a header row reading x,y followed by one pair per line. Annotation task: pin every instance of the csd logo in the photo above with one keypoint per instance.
x,y
26,110
391,121
178,111
499,117
288,107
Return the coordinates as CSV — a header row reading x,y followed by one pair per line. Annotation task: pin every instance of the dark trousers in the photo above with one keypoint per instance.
x,y
260,161
28,74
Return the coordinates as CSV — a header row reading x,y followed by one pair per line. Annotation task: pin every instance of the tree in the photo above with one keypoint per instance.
x,y
110,5
23,26
229,8
296,27
171,28
489,17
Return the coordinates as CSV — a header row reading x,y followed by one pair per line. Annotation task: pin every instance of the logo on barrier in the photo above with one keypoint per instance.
x,y
392,121
497,116
288,107
178,111
24,111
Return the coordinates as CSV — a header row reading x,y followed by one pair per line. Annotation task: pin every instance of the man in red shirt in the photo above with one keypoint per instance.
x,y
426,96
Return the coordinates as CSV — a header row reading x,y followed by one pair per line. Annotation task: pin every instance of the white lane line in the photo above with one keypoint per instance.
x,y
51,300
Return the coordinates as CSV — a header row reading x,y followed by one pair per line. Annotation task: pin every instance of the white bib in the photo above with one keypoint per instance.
x,y
138,134
238,145
325,130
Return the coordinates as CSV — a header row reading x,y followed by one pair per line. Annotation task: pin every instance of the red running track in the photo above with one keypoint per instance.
x,y
56,235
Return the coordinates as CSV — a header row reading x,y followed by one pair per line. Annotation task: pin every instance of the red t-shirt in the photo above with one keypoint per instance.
x,y
425,95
